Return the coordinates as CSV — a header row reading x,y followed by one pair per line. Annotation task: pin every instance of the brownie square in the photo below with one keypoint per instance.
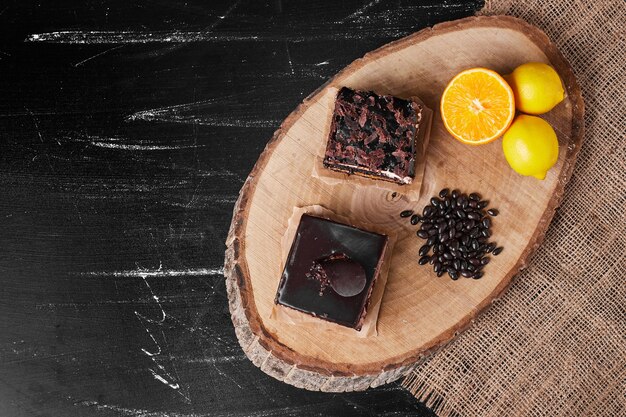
x,y
373,136
331,270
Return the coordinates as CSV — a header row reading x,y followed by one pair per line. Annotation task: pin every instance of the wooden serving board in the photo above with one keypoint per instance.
x,y
419,312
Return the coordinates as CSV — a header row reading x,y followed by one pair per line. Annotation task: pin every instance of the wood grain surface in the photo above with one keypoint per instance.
x,y
419,312
126,132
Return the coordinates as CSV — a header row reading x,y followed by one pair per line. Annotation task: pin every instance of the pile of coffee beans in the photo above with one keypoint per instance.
x,y
456,227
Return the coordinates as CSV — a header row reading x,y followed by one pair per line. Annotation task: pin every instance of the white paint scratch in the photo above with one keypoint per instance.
x,y
36,123
360,11
125,144
158,273
133,37
138,37
219,359
224,16
127,147
163,380
319,64
289,58
156,299
139,412
135,412
76,65
160,373
201,201
177,114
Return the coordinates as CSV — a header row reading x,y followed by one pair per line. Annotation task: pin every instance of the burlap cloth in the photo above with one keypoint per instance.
x,y
555,343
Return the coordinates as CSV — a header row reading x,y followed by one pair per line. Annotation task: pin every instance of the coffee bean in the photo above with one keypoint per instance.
x,y
427,226
469,224
448,255
423,234
432,232
415,219
455,193
482,204
437,266
498,251
431,240
458,226
486,222
453,203
442,228
453,244
440,273
477,275
454,274
490,247
424,260
406,213
462,201
474,196
444,192
432,260
473,204
428,211
456,264
471,268
473,215
466,273
474,261
493,212
441,247
452,233
460,214
424,250
443,238
485,260
435,201
464,264
486,232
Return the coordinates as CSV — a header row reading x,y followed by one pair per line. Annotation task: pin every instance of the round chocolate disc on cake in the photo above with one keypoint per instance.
x,y
346,276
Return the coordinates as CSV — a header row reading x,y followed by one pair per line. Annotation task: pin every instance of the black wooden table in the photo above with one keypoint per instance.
x,y
126,131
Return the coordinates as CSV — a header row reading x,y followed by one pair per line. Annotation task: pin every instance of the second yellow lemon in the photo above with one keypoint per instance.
x,y
530,146
537,87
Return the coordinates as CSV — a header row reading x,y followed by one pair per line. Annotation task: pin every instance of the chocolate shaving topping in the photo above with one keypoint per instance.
x,y
373,135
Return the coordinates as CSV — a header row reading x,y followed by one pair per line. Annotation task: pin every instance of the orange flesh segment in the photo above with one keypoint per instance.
x,y
477,106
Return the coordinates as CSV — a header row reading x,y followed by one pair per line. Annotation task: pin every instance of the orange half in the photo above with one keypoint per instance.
x,y
477,106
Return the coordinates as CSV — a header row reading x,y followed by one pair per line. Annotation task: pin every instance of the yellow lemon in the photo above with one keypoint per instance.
x,y
536,86
530,146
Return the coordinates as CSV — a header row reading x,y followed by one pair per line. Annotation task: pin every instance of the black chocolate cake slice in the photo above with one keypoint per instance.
x,y
331,270
373,136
